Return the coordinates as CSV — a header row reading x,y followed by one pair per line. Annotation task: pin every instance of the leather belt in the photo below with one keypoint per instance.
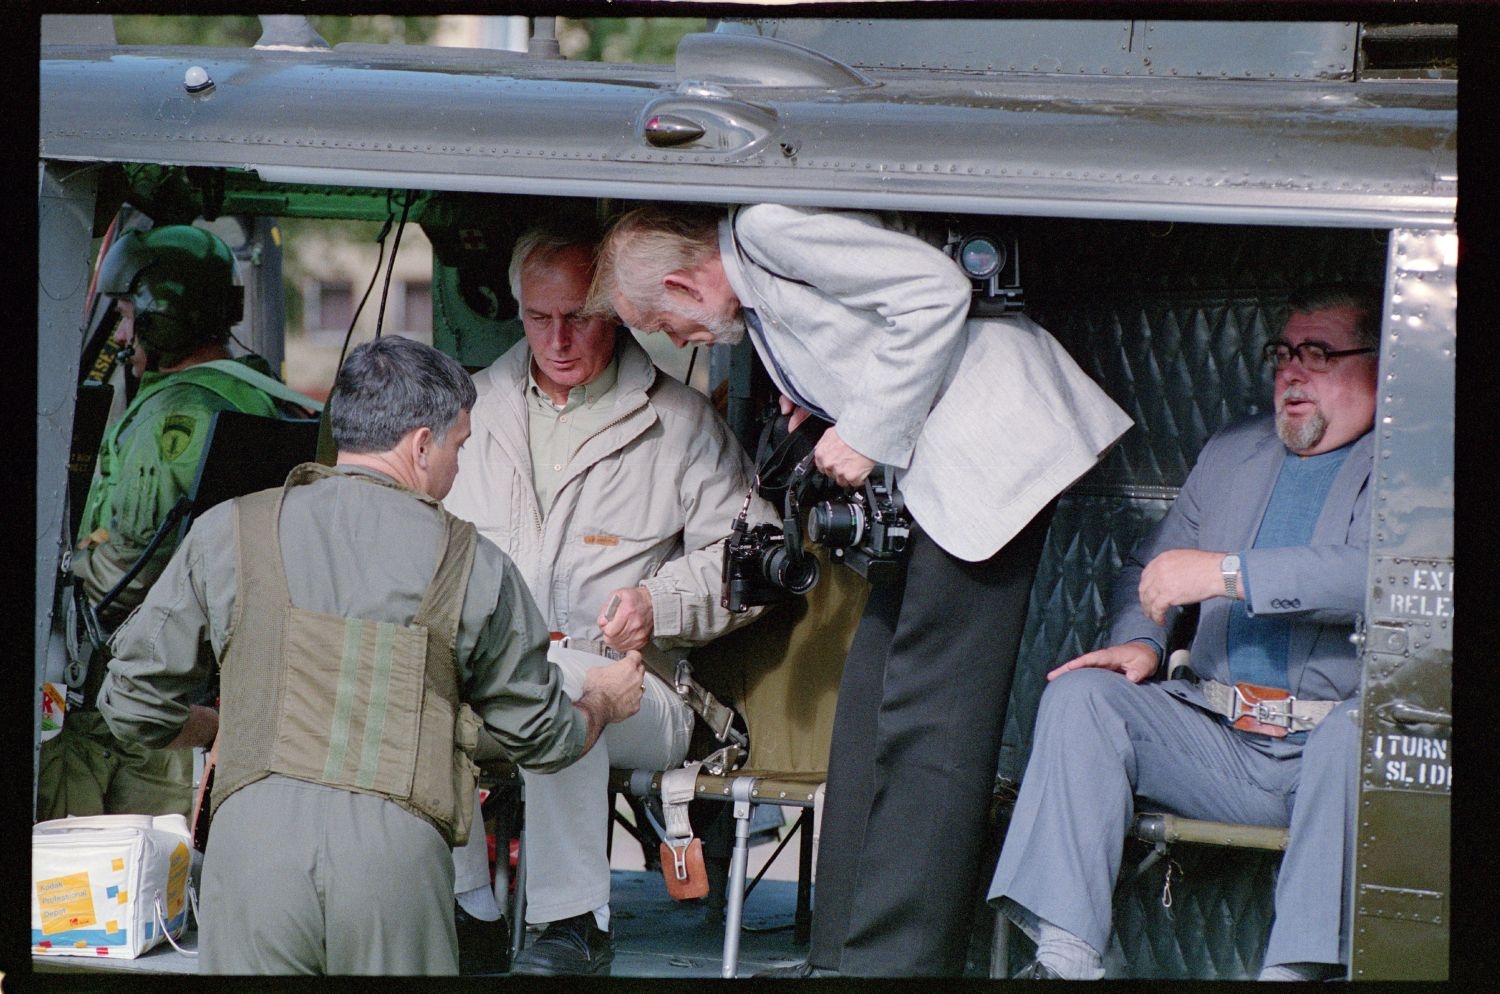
x,y
676,674
1261,710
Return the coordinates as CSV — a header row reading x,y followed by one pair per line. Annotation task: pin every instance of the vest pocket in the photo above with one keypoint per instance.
x,y
465,772
351,702
443,789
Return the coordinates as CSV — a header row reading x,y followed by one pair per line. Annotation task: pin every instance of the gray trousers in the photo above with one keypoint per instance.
x,y
1101,741
303,878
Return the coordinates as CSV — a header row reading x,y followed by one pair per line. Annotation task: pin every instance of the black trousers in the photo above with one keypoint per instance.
x,y
916,741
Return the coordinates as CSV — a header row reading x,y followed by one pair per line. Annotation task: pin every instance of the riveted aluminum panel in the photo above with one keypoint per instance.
x,y
1259,50
1413,511
65,205
1400,920
1406,778
1246,151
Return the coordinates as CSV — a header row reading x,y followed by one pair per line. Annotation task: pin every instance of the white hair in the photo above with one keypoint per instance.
x,y
645,245
540,244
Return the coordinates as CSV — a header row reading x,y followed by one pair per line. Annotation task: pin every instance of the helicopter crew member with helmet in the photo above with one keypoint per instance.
x,y
174,290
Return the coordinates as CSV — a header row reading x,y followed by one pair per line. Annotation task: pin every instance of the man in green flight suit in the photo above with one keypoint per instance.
x,y
177,301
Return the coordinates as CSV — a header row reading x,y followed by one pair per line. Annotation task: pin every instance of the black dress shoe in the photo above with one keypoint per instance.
x,y
800,970
1037,970
573,946
483,947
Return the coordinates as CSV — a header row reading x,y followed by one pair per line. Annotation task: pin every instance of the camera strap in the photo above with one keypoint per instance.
x,y
779,451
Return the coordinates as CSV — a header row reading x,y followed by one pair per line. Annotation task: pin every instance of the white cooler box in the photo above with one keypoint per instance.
x,y
102,885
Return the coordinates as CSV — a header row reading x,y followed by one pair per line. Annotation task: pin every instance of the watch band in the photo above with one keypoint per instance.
x,y
1229,566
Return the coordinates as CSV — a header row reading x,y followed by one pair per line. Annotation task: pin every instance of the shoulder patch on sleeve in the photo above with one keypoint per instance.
x,y
176,435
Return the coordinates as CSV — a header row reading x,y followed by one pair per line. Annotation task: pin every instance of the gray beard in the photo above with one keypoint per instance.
x,y
729,330
1304,435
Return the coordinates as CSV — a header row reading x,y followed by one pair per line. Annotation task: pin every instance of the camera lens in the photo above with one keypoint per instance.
x,y
981,256
795,575
836,524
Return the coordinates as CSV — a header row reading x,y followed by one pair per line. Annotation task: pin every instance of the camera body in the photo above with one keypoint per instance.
x,y
865,530
759,569
991,258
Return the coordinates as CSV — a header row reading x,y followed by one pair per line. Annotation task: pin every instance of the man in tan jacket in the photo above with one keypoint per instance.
x,y
613,487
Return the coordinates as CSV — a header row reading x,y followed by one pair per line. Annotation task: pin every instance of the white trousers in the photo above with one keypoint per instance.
x,y
567,813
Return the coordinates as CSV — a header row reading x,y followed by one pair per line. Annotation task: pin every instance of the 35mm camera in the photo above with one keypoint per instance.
x,y
866,530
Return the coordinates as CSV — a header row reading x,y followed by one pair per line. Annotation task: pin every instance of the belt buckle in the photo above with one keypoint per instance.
x,y
1261,715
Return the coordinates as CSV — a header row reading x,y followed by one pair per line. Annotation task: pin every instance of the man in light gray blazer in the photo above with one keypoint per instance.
x,y
984,422
1269,537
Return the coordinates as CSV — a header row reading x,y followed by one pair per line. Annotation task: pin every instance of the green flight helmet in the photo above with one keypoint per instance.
x,y
181,280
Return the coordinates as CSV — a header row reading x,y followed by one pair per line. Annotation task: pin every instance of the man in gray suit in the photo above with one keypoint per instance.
x,y
1269,536
984,423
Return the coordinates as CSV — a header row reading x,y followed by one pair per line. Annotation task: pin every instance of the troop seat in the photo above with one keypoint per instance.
x,y
767,786
1162,830
742,788
781,674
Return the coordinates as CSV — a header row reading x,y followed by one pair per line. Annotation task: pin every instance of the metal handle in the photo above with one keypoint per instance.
x,y
1408,714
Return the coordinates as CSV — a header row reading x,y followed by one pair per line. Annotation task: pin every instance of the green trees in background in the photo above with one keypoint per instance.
x,y
242,32
651,40
603,39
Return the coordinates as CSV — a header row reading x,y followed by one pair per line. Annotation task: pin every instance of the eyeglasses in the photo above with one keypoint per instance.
x,y
1314,356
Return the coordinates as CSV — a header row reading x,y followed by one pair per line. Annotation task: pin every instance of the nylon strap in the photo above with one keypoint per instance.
x,y
677,789
263,383
1298,717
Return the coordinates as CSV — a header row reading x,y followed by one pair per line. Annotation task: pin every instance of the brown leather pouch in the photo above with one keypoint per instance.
x,y
1251,694
683,870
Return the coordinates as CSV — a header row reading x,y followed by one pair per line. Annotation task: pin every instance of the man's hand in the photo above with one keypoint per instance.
x,y
1136,660
798,414
626,622
199,730
837,461
611,693
1180,576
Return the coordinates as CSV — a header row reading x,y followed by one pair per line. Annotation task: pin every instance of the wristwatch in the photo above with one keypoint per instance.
x,y
1230,567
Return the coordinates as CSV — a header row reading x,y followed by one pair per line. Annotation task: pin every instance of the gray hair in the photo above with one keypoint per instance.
x,y
644,245
390,386
1365,298
542,243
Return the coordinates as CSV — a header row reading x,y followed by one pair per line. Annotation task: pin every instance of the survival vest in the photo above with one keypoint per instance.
x,y
364,705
